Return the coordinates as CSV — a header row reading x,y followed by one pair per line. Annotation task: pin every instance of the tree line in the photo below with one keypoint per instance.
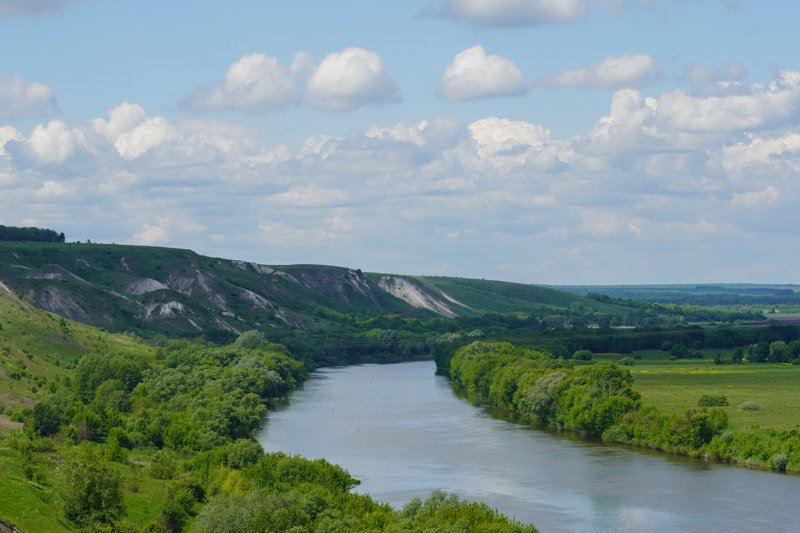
x,y
599,400
14,233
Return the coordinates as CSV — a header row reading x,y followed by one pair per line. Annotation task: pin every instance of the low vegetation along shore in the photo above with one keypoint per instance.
x,y
601,400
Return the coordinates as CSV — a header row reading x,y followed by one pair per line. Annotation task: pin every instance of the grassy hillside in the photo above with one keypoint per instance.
x,y
37,348
178,292
503,297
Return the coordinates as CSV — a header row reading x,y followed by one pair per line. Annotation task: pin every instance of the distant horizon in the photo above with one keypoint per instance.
x,y
534,141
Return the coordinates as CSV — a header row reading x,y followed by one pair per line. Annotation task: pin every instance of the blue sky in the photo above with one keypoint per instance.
x,y
543,141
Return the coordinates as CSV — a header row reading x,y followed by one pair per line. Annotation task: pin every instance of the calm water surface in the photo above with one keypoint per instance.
x,y
403,432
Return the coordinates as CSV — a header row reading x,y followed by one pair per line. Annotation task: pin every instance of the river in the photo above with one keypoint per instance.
x,y
403,432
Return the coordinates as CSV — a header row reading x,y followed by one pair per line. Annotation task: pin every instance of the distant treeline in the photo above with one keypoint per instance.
x,y
13,233
699,296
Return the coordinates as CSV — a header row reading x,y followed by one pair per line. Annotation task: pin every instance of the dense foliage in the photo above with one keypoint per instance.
x,y
599,400
13,233
283,493
180,426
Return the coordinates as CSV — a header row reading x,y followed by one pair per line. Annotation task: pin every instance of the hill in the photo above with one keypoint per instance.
x,y
150,290
38,348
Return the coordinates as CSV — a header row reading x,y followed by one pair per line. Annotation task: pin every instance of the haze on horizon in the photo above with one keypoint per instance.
x,y
543,141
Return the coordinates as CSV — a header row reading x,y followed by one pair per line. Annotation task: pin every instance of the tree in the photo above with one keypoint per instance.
x,y
89,489
779,352
250,339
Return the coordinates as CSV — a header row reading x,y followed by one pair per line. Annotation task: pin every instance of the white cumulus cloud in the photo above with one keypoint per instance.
x,y
476,74
614,71
349,79
19,99
763,105
255,82
147,135
54,143
498,13
132,132
759,150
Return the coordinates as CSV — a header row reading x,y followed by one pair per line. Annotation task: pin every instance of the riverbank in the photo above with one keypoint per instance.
x,y
403,432
599,400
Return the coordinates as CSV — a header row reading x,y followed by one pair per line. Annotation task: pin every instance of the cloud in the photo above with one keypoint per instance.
x,y
253,83
767,196
765,151
19,99
11,8
53,143
634,198
763,105
615,71
706,80
153,234
475,74
680,121
509,13
145,136
349,79
8,133
256,83
131,132
307,196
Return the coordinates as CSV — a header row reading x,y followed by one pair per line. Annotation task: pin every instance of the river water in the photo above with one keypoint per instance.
x,y
403,432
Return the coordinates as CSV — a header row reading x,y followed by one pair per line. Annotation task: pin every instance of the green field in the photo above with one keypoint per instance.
x,y
674,386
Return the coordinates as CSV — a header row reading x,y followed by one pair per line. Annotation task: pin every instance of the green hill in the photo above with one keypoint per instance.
x,y
37,348
149,290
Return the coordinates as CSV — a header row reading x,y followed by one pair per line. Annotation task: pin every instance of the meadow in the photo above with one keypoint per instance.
x,y
676,385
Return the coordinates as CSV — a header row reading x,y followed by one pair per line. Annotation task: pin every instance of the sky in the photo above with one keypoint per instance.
x,y
535,141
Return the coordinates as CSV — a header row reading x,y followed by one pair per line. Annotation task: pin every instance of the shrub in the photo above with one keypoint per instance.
x,y
712,400
779,461
750,406
582,355
164,465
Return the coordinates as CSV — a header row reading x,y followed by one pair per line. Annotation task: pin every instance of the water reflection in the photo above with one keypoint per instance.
x,y
403,432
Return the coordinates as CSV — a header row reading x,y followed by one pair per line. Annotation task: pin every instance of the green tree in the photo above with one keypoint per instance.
x,y
89,489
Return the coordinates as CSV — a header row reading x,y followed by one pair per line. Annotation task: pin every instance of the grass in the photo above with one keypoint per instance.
x,y
674,386
27,504
32,506
38,348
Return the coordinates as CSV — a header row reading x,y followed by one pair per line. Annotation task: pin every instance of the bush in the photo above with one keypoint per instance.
x,y
712,400
779,461
90,490
164,465
242,453
582,355
749,406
